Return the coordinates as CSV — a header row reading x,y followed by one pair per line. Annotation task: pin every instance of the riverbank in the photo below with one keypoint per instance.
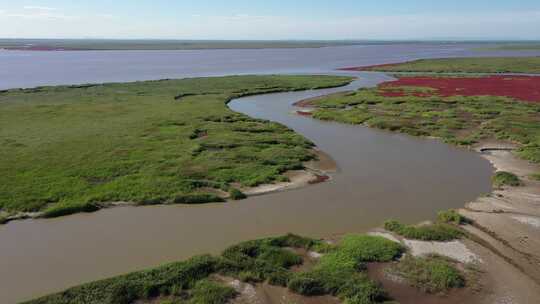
x,y
508,219
158,45
376,267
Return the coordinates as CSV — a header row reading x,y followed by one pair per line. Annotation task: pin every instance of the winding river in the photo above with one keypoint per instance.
x,y
381,175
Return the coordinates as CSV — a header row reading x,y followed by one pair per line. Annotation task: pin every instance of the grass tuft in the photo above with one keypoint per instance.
x,y
339,272
451,217
236,194
208,292
433,232
432,274
503,178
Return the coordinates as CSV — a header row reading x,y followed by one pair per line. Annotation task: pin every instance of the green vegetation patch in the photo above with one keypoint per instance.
x,y
340,271
530,65
267,259
173,278
512,47
451,217
208,292
236,194
503,178
68,149
431,232
459,120
432,274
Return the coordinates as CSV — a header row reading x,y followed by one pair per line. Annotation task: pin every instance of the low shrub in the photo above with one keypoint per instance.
x,y
266,259
200,198
367,248
503,178
295,241
208,292
451,217
432,274
432,232
62,209
236,194
307,283
339,272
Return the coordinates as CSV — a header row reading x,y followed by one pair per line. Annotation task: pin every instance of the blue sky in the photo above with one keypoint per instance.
x,y
243,19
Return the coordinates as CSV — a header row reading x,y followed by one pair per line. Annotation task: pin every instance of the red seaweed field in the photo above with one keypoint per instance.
x,y
526,88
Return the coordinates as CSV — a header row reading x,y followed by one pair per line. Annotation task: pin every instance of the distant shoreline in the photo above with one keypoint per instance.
x,y
157,45
26,44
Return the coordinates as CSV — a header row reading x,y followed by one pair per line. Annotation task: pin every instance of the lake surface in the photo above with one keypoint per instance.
x,y
34,68
381,175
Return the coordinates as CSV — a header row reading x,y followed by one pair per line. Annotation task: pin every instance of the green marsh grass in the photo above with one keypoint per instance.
x,y
503,178
457,120
68,149
431,274
530,65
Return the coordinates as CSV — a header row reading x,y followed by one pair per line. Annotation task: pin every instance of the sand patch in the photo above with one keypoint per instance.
x,y
528,220
385,235
455,250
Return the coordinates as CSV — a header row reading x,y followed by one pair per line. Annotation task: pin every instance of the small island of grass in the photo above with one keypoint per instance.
x,y
529,65
457,116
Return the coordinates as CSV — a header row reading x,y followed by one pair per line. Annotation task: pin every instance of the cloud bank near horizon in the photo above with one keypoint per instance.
x,y
40,21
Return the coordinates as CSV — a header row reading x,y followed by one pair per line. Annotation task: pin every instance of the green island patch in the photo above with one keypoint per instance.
x,y
533,46
459,120
530,65
503,178
67,149
339,272
439,231
431,274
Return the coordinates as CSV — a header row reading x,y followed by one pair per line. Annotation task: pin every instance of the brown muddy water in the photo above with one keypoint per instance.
x,y
381,175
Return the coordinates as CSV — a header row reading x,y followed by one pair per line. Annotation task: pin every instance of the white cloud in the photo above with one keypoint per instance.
x,y
41,16
105,16
39,13
39,8
504,25
417,26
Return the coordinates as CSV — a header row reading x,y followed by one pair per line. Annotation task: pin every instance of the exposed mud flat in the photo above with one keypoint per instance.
x,y
491,278
508,218
316,171
403,293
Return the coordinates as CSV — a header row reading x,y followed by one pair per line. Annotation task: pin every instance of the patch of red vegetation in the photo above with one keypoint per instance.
x,y
369,67
319,179
304,113
526,88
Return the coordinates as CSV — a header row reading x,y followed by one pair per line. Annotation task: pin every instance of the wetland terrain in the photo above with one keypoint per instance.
x,y
213,140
